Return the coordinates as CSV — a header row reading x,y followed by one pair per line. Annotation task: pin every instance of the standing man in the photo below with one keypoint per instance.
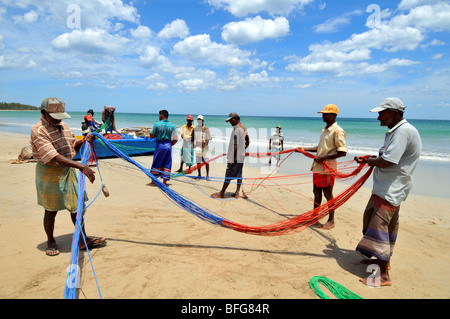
x,y
276,144
239,141
54,146
187,148
202,136
166,136
331,146
392,182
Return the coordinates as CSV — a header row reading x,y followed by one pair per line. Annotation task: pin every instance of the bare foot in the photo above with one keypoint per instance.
x,y
217,195
376,282
328,225
151,184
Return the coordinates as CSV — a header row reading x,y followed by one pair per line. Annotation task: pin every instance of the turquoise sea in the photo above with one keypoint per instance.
x,y
364,135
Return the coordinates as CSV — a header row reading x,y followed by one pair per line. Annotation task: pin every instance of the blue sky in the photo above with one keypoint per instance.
x,y
254,57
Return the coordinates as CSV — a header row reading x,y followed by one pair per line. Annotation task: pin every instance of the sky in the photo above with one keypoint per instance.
x,y
253,57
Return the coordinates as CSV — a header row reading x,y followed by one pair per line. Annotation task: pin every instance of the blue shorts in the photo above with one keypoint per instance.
x,y
162,159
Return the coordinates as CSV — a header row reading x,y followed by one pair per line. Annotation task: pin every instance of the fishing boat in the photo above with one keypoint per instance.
x,y
129,144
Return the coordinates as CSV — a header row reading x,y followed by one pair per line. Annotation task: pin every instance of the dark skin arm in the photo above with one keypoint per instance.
x,y
321,158
377,161
83,168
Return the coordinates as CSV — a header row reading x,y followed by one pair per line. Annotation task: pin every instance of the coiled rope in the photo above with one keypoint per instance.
x,y
335,288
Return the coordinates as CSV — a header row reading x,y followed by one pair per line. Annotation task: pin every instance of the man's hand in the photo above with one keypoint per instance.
x,y
90,138
359,159
90,174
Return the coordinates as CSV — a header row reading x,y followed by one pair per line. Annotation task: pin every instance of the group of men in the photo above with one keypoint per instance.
x,y
392,180
54,146
194,138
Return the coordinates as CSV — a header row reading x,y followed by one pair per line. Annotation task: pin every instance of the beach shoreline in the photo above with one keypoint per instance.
x,y
157,250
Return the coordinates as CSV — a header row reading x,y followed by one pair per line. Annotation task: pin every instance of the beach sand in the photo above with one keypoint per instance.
x,y
157,250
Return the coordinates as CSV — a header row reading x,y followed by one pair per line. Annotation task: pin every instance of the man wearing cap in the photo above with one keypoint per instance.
x,y
331,146
166,136
276,144
239,141
187,148
54,145
392,182
202,136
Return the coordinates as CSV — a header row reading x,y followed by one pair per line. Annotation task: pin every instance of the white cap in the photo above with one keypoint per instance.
x,y
392,103
200,117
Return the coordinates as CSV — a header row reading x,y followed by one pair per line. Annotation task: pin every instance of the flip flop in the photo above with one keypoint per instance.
x,y
52,252
95,243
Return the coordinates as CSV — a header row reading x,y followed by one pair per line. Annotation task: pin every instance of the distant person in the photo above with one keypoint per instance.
x,y
331,146
166,136
392,182
239,141
202,136
91,113
276,144
89,125
187,148
109,120
54,146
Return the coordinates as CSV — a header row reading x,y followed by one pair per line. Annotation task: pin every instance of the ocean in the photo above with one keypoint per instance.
x,y
364,137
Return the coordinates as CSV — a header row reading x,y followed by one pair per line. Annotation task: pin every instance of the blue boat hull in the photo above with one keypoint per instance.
x,y
129,145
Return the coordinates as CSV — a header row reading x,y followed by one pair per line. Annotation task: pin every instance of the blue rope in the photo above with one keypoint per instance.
x,y
72,273
180,200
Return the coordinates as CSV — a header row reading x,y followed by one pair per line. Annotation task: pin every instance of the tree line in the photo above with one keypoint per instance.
x,y
17,106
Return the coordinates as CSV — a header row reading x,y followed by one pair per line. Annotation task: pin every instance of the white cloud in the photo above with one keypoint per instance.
x,y
242,8
91,42
333,24
254,30
409,4
28,17
150,56
200,48
401,32
141,32
434,17
159,86
438,56
175,29
15,61
237,80
196,80
93,14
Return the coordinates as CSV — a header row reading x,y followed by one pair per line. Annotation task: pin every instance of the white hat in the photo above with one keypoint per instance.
x,y
392,103
200,117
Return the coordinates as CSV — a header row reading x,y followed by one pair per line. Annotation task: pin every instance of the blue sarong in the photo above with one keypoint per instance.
x,y
162,159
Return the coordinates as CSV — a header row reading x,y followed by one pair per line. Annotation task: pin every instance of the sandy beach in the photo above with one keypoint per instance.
x,y
157,250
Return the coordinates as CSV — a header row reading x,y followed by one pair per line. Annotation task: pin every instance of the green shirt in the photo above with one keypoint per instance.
x,y
164,130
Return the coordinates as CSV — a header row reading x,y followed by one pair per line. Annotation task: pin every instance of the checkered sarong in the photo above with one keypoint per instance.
x,y
57,187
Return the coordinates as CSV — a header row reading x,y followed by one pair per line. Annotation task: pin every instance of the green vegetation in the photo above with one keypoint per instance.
x,y
17,107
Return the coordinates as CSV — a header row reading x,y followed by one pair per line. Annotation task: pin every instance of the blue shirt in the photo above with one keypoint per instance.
x,y
164,130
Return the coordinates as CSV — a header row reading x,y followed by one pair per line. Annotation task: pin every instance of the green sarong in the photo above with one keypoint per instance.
x,y
57,187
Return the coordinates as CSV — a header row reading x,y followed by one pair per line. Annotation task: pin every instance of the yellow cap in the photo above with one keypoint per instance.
x,y
330,108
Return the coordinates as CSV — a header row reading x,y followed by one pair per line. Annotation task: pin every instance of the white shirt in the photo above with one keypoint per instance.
x,y
402,147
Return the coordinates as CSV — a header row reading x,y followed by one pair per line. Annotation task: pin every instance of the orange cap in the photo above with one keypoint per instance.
x,y
330,108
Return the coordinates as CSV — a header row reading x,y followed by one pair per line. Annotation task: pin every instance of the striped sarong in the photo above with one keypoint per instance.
x,y
57,187
380,229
